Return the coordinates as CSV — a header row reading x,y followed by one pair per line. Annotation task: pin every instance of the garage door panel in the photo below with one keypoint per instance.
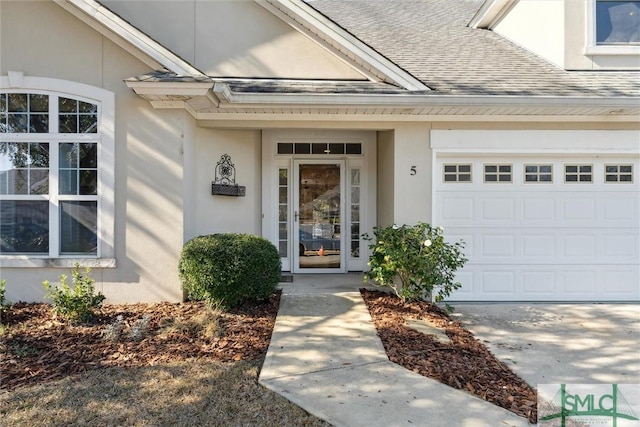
x,y
498,283
549,246
576,283
524,282
579,209
539,245
498,245
497,210
560,209
538,209
558,241
620,246
539,283
579,246
621,208
620,283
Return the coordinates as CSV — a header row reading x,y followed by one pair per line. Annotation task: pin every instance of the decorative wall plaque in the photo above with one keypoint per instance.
x,y
225,179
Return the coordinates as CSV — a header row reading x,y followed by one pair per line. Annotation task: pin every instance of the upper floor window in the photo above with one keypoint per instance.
x,y
617,22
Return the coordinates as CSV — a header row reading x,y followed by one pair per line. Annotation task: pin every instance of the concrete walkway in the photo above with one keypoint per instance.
x,y
326,357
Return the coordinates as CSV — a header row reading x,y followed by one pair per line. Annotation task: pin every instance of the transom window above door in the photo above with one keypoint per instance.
x,y
320,148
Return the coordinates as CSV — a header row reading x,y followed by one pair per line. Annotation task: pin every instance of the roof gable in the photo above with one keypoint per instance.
x,y
327,33
322,31
127,36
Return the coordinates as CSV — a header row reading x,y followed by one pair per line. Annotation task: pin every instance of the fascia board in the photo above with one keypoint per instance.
x,y
382,121
306,19
127,36
170,88
490,13
386,100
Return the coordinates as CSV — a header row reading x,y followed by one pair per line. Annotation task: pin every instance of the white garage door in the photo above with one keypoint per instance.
x,y
542,228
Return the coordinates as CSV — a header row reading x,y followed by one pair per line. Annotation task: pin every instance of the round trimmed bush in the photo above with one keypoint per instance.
x,y
229,268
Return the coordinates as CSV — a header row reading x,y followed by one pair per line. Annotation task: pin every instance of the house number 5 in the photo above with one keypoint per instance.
x,y
413,171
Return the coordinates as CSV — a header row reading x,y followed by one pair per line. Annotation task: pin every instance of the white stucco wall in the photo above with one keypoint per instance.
x,y
537,25
40,39
385,177
232,38
412,191
217,214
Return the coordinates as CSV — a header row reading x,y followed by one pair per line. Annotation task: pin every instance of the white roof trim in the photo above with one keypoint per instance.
x,y
490,13
127,36
228,97
340,42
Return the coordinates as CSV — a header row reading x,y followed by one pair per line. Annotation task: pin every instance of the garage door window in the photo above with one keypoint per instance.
x,y
538,173
457,172
578,173
497,173
618,173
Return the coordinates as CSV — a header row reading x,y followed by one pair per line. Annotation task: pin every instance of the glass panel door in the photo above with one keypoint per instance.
x,y
318,216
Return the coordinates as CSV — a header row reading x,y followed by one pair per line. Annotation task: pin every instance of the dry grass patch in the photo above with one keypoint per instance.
x,y
184,393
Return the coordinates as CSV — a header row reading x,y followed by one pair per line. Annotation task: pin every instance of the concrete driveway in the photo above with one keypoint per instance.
x,y
560,343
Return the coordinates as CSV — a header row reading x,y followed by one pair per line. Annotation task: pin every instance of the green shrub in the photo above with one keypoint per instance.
x,y
77,303
3,303
414,261
229,268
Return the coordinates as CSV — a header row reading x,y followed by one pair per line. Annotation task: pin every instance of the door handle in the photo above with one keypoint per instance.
x,y
295,216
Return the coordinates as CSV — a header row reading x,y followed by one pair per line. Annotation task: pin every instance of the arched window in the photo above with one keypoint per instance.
x,y
56,171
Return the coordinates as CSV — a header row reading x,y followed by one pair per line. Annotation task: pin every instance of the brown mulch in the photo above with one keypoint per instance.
x,y
465,363
37,347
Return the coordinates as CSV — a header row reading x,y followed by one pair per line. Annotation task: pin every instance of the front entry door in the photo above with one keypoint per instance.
x,y
318,219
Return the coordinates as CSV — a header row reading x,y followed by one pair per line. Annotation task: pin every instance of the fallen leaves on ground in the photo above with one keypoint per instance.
x,y
464,363
37,347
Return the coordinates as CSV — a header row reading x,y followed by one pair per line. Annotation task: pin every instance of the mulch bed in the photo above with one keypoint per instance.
x,y
38,347
465,363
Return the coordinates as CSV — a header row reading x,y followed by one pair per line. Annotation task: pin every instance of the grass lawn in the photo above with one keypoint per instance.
x,y
185,393
141,365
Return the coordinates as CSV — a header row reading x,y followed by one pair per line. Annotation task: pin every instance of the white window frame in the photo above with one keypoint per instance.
x,y
497,173
618,173
16,82
578,173
538,173
592,48
457,173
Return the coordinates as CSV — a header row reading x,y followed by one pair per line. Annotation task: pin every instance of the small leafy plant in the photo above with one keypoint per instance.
x,y
77,303
3,303
414,261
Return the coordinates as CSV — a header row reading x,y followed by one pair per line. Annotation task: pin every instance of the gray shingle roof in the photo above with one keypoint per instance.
x,y
316,87
431,40
277,85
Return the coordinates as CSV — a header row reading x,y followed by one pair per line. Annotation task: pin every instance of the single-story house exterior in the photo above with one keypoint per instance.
x,y
129,127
